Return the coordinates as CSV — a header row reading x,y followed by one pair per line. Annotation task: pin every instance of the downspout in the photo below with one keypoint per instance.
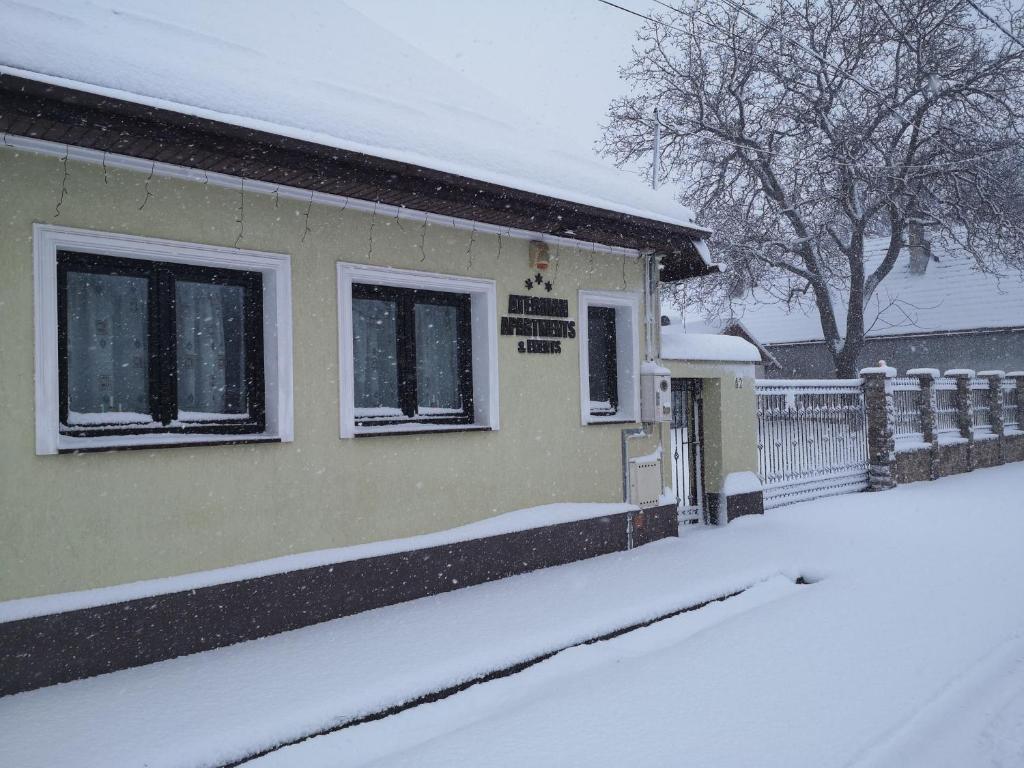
x,y
634,433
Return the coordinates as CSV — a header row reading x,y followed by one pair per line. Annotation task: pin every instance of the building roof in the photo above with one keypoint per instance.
x,y
952,295
678,343
331,83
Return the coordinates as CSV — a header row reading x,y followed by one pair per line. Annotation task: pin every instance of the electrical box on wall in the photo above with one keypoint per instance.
x,y
655,394
645,482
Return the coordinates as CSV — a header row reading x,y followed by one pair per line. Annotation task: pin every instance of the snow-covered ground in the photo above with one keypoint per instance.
x,y
906,650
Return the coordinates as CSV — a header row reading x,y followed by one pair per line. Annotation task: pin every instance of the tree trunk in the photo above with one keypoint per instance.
x,y
846,359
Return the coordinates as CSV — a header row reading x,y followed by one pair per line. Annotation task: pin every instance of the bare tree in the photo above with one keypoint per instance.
x,y
799,128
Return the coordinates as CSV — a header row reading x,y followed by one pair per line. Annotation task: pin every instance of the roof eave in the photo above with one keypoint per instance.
x,y
58,113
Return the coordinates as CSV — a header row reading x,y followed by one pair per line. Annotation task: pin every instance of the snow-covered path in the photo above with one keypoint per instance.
x,y
910,644
908,651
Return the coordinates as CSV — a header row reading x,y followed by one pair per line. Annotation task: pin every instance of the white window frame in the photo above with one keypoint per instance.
x,y
484,322
277,332
627,353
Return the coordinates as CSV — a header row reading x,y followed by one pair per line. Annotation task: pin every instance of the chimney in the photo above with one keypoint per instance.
x,y
920,249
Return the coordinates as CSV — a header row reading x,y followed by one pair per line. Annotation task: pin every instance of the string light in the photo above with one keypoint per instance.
x,y
152,169
423,239
241,214
63,182
469,247
373,219
306,230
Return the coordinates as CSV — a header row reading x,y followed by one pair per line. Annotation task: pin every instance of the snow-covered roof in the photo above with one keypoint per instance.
x,y
726,326
952,295
312,70
679,344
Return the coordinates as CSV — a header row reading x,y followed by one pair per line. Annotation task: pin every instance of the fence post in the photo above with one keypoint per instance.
x,y
995,407
926,402
881,417
927,407
964,409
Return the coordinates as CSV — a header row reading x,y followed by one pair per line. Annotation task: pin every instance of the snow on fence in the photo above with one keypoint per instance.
x,y
906,397
812,439
945,406
1011,403
981,401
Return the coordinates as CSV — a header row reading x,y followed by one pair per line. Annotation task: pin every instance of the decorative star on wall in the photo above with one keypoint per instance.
x,y
547,286
528,283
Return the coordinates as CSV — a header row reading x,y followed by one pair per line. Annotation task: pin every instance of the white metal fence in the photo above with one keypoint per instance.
x,y
812,439
906,397
945,407
981,406
1011,404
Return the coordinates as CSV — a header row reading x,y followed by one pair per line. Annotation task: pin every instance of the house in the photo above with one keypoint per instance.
x,y
935,310
290,334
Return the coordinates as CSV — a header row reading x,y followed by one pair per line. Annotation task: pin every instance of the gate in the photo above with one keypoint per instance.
x,y
687,450
812,439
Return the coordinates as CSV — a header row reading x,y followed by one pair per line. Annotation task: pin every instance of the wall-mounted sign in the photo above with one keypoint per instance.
x,y
543,319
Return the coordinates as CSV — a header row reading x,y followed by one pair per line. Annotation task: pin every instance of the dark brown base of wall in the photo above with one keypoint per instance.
x,y
738,505
60,647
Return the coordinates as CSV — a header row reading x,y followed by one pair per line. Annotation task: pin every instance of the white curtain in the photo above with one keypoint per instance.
x,y
374,347
107,344
211,350
437,359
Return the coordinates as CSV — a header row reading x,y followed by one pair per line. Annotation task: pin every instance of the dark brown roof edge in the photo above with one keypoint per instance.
x,y
65,115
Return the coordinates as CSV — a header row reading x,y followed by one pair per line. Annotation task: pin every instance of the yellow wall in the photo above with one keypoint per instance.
x,y
77,521
72,522
730,418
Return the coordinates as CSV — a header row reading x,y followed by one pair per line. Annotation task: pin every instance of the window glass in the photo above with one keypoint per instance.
x,y
150,346
437,360
210,323
107,348
602,362
375,357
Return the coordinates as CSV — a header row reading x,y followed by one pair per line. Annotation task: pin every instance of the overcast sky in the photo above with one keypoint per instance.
x,y
557,57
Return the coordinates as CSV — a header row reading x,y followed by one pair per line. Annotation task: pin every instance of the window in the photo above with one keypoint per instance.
x,y
601,357
412,356
418,351
149,346
153,342
609,356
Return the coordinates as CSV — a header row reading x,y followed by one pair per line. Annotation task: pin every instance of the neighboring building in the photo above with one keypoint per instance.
x,y
766,367
270,310
938,312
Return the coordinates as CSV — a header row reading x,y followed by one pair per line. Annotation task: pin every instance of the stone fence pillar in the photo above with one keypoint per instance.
x,y
927,407
964,411
995,408
926,403
881,415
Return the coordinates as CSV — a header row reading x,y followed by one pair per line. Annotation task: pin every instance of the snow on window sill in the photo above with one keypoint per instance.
x,y
418,427
69,444
615,418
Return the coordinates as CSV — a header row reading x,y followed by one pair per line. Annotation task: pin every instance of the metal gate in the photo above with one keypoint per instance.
x,y
812,439
687,450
